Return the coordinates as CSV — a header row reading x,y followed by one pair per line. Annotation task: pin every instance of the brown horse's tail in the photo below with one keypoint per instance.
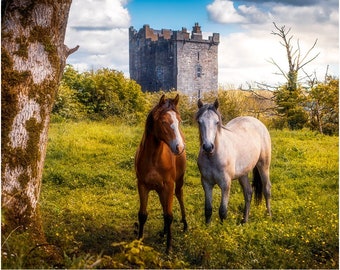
x,y
257,185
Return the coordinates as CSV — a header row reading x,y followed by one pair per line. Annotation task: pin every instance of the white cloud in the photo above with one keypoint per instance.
x,y
99,13
244,56
100,28
223,11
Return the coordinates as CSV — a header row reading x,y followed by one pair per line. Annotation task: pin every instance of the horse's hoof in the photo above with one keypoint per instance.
x,y
185,226
244,221
168,250
222,218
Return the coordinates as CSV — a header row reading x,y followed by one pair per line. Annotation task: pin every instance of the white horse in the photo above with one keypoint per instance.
x,y
231,152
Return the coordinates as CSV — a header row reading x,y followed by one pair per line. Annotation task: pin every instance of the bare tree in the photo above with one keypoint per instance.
x,y
296,61
289,98
33,57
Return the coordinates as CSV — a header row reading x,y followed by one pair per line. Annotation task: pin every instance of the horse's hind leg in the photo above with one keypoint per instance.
x,y
142,214
179,196
266,185
247,192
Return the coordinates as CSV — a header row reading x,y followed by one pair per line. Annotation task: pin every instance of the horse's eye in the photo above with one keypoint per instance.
x,y
218,123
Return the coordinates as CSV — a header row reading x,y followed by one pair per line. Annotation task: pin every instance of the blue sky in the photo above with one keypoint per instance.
x,y
100,27
174,15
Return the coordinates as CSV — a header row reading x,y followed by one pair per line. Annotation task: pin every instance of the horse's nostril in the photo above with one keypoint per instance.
x,y
179,148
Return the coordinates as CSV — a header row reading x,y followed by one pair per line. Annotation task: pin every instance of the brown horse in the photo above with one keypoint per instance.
x,y
160,163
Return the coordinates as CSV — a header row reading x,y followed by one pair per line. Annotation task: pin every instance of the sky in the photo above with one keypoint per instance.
x,y
247,45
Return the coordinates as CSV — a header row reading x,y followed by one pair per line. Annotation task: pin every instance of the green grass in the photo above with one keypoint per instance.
x,y
89,201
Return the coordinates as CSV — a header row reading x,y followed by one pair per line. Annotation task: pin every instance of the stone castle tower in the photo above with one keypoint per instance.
x,y
166,59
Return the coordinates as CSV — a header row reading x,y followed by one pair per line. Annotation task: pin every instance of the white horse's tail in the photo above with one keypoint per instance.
x,y
257,185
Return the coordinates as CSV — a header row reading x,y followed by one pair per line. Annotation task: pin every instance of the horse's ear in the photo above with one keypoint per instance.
x,y
176,99
199,103
162,100
216,104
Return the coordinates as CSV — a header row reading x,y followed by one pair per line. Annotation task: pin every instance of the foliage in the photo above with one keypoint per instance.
x,y
103,93
90,202
107,94
137,254
234,103
323,102
67,105
290,106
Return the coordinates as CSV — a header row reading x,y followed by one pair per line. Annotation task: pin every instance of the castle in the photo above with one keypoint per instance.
x,y
166,59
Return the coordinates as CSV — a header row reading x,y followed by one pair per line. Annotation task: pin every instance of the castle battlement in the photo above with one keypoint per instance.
x,y
148,33
166,59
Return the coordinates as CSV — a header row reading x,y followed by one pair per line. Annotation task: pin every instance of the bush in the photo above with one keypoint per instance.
x,y
67,105
101,94
323,104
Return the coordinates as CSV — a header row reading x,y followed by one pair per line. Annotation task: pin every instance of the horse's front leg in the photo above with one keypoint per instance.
x,y
142,214
166,197
179,195
225,191
208,187
247,192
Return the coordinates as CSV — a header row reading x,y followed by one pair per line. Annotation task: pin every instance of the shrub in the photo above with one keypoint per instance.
x,y
67,105
101,94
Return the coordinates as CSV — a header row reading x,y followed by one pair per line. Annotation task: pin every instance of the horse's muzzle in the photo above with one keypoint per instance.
x,y
208,148
179,149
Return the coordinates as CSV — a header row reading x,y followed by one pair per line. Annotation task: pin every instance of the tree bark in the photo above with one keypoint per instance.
x,y
32,61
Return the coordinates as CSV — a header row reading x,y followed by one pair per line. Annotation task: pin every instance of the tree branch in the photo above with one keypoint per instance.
x,y
275,64
70,51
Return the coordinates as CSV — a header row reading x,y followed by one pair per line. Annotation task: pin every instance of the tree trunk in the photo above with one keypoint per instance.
x,y
32,61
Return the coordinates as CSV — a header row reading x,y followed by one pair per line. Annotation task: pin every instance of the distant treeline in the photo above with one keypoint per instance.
x,y
107,94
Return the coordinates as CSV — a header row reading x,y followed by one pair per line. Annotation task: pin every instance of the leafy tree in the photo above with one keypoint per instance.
x,y
67,105
323,102
290,106
106,93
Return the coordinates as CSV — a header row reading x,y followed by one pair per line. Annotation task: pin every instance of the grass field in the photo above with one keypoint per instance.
x,y
89,204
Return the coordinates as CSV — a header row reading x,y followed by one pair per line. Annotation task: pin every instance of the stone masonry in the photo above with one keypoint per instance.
x,y
166,60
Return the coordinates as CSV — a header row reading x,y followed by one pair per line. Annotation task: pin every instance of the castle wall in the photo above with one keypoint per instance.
x,y
197,67
152,59
165,60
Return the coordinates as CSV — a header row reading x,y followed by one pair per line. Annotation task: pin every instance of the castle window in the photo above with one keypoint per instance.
x,y
198,71
159,73
198,56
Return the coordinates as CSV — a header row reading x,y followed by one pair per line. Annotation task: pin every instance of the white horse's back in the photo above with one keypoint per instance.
x,y
250,134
